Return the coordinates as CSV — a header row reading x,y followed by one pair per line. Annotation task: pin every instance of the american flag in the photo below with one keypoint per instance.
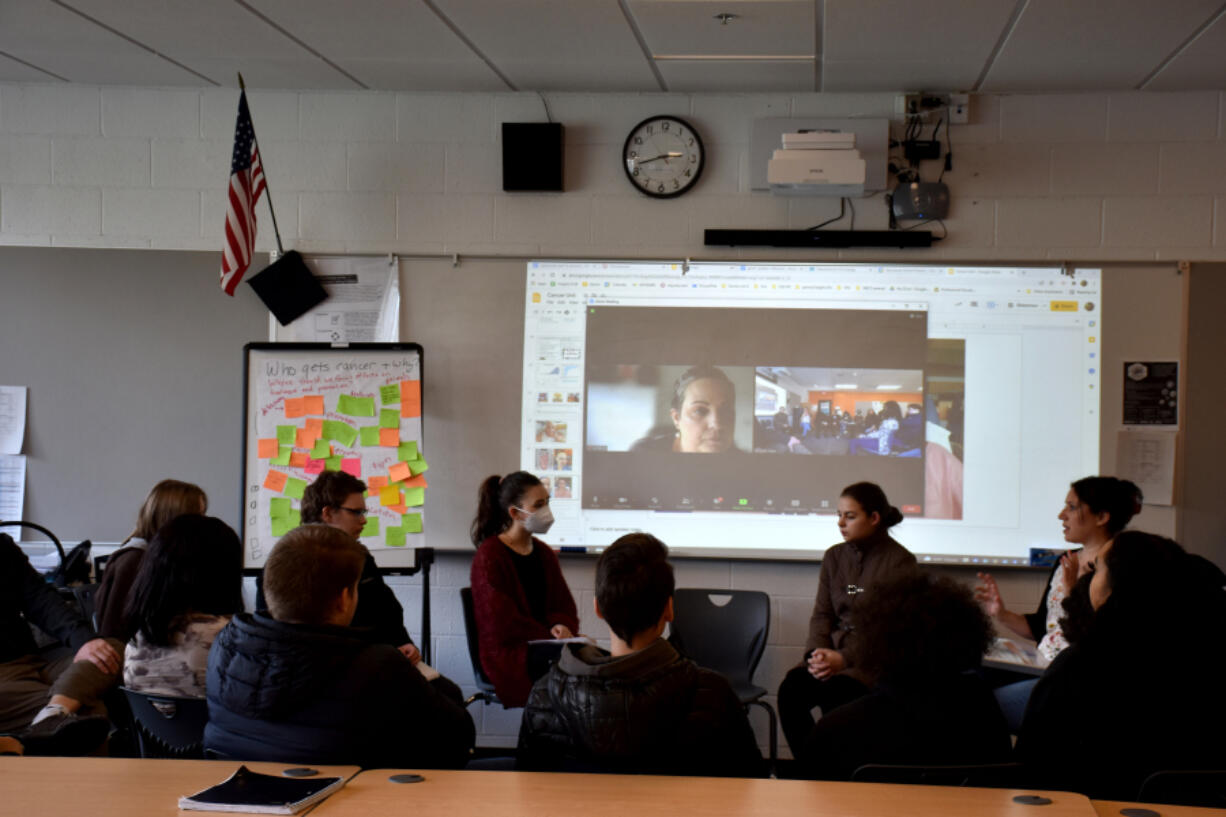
x,y
246,186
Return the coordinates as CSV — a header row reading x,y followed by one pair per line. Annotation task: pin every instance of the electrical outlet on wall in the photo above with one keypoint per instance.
x,y
959,109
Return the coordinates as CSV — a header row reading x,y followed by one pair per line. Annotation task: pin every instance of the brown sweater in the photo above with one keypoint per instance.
x,y
849,569
115,587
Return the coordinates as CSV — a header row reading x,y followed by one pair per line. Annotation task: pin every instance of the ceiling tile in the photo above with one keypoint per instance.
x,y
938,45
556,45
769,27
1201,66
738,75
388,45
1102,45
55,39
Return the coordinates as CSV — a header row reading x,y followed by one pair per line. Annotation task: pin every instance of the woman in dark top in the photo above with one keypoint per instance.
x,y
826,677
1139,689
919,639
519,593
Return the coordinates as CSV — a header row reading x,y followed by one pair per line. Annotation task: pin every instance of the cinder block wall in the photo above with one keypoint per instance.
x,y
1129,176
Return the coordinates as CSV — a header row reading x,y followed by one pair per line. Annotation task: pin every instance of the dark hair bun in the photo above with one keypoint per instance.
x,y
891,517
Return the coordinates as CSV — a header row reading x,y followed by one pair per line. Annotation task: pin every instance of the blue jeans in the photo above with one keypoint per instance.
x,y
1012,699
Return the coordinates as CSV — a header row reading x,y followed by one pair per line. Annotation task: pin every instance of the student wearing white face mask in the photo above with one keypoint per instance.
x,y
519,593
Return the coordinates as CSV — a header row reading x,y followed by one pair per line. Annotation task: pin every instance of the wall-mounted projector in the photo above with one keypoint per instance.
x,y
817,163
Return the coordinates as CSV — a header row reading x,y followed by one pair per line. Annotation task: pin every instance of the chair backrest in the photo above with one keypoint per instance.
x,y
1185,788
988,775
84,594
474,648
728,638
167,726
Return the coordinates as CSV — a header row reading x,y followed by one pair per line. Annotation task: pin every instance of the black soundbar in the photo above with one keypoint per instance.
x,y
834,239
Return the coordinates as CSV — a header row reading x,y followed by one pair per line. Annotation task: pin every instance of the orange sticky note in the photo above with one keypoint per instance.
x,y
376,482
295,407
303,438
418,481
390,495
314,403
315,426
297,459
389,437
399,471
268,448
410,398
401,508
275,481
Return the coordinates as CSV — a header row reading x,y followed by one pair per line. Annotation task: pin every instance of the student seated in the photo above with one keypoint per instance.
x,y
639,707
189,584
299,685
1139,688
919,639
168,499
41,693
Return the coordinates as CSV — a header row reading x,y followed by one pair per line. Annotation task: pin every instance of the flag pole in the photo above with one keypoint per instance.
x,y
280,250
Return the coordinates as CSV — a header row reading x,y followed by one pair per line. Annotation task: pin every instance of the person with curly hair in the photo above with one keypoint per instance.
x,y
919,639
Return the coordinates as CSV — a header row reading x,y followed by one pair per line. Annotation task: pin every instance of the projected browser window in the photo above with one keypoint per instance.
x,y
725,407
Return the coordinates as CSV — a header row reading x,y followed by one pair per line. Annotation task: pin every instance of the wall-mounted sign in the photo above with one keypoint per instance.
x,y
1151,393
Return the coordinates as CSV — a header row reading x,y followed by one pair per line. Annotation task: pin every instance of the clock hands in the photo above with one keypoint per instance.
x,y
672,154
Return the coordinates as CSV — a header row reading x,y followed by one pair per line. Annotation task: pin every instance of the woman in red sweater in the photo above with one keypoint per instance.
x,y
519,593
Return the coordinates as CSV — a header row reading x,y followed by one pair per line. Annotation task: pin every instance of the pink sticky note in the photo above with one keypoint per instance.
x,y
314,466
352,465
268,449
295,407
314,403
399,471
275,481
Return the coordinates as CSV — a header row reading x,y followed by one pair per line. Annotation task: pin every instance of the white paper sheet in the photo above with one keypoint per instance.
x,y
1148,459
12,419
12,491
363,304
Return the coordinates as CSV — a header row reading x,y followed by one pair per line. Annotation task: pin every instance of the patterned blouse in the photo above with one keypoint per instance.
x,y
1053,642
178,670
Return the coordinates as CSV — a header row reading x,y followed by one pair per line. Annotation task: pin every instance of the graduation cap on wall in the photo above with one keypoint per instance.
x,y
288,288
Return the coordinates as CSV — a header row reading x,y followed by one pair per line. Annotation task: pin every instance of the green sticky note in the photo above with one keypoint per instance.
x,y
395,537
417,466
279,507
281,526
346,434
389,418
283,457
332,464
411,522
356,406
370,435
322,450
285,434
294,487
371,528
295,519
412,496
389,393
408,451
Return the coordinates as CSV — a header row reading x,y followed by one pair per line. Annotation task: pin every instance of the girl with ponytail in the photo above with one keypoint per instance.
x,y
519,593
867,556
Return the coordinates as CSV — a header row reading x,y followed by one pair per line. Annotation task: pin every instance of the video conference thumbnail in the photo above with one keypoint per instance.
x,y
846,385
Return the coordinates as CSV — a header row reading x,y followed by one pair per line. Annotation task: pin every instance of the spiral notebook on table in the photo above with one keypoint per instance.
x,y
252,792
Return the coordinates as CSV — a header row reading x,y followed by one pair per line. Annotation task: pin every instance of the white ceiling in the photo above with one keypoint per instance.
x,y
622,45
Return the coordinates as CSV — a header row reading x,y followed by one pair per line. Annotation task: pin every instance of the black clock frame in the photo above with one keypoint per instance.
x,y
702,158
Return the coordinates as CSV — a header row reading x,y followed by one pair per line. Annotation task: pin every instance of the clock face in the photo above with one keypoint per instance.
x,y
663,156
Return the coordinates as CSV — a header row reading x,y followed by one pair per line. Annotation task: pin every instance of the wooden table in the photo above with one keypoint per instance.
x,y
116,787
528,794
1111,808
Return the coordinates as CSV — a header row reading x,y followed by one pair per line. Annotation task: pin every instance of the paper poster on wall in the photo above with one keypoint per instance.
x,y
363,304
1151,393
312,408
1148,459
12,491
12,418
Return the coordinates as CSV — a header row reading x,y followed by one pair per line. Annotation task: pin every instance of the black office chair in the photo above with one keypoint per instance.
x,y
987,776
728,638
485,687
167,726
1206,789
84,594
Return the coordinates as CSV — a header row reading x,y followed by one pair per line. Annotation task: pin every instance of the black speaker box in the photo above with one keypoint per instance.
x,y
531,156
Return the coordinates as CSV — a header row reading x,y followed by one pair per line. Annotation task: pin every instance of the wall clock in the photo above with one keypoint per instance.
x,y
663,156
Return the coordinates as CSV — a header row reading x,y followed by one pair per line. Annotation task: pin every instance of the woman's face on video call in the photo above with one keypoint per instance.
x,y
708,414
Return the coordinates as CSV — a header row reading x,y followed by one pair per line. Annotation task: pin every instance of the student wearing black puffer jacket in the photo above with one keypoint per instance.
x,y
301,686
641,707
